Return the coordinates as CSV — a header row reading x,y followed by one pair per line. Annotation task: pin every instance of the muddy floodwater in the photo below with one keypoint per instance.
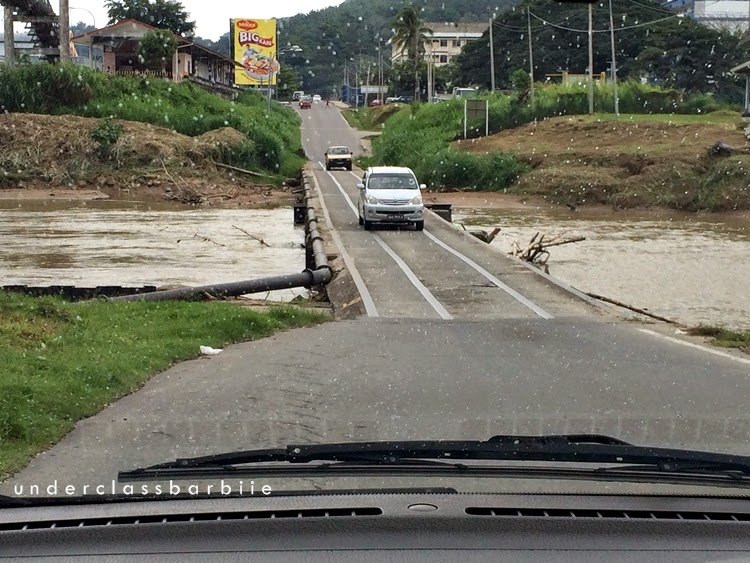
x,y
691,268
94,243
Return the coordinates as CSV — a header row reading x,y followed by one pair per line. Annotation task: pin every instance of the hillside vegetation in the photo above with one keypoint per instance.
x,y
642,159
266,143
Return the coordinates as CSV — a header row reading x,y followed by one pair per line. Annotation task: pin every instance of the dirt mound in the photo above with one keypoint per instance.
x,y
563,138
43,152
61,149
659,160
225,136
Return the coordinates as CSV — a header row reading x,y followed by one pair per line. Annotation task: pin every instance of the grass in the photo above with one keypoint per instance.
x,y
273,141
424,138
371,119
62,362
723,337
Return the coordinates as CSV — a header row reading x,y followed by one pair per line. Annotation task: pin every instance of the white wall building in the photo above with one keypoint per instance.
x,y
446,41
726,15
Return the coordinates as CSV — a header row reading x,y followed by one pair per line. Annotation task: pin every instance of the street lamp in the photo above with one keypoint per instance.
x,y
93,17
294,49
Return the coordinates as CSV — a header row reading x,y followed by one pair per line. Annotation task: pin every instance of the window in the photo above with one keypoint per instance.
x,y
443,58
443,42
456,42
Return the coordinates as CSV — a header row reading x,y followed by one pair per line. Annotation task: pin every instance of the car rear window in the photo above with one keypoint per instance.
x,y
392,182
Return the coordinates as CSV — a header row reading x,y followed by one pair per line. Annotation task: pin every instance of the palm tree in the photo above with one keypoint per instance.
x,y
410,36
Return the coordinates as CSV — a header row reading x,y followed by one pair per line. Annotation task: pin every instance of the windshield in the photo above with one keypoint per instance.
x,y
554,238
392,182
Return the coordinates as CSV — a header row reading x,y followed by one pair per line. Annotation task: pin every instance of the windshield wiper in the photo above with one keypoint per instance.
x,y
443,457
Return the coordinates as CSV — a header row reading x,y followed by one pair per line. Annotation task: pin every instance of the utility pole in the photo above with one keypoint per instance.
x,y
531,55
64,30
614,64
10,38
429,74
591,61
492,59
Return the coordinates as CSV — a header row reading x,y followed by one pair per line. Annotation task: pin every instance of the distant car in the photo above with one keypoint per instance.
x,y
297,95
375,103
338,157
390,194
391,100
317,98
305,102
405,99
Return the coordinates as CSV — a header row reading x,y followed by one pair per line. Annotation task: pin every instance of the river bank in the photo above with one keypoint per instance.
x,y
70,157
663,161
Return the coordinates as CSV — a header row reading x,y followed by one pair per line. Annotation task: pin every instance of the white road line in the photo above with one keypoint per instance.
x,y
358,281
429,297
412,277
696,346
341,189
509,290
357,176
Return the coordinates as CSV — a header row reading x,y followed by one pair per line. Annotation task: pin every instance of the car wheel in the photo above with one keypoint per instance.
x,y
361,222
349,167
367,224
328,167
419,225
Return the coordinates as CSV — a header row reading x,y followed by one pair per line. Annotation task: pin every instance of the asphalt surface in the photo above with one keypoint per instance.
x,y
482,362
411,275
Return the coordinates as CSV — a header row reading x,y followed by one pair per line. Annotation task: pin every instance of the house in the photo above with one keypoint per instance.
x,y
22,42
445,42
744,70
114,49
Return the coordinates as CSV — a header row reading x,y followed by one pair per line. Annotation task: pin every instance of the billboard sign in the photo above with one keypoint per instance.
x,y
255,50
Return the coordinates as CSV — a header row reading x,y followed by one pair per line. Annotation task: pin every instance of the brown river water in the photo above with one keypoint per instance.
x,y
93,243
691,268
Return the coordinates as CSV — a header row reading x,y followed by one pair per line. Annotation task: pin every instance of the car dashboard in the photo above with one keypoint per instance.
x,y
394,526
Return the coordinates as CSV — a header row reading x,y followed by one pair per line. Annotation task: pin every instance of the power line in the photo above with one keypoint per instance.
x,y
601,30
654,8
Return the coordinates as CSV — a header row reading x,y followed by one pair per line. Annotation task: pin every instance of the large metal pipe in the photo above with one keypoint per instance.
x,y
321,274
307,278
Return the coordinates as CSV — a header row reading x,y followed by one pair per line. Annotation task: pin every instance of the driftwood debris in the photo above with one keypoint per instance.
x,y
252,236
237,169
536,251
484,236
631,308
186,194
722,149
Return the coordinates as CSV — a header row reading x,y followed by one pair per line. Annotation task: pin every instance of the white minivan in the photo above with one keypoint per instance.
x,y
391,195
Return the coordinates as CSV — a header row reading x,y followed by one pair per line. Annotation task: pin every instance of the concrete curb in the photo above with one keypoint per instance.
x,y
342,286
551,279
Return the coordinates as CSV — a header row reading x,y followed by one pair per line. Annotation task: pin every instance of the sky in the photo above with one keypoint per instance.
x,y
211,16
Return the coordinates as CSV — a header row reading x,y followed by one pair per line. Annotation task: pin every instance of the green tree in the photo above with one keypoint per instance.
x,y
80,28
164,14
668,50
409,37
288,80
157,48
520,80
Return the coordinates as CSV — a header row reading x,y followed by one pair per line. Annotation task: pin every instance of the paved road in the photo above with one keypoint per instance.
x,y
436,274
496,366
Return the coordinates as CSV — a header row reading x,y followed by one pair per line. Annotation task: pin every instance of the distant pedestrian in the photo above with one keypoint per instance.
x,y
328,102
